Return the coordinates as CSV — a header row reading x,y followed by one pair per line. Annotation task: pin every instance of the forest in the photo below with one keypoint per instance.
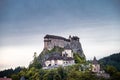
x,y
35,72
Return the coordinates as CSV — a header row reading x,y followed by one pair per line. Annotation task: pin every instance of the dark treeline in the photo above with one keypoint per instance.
x,y
112,60
9,72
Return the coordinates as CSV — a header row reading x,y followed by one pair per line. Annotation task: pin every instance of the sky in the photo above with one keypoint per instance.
x,y
24,23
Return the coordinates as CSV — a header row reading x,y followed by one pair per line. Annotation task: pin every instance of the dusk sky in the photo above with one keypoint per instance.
x,y
24,23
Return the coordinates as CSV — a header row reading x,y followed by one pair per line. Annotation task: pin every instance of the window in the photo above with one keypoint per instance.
x,y
49,65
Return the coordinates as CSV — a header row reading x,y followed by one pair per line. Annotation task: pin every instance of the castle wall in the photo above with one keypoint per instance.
x,y
50,43
53,62
57,42
95,68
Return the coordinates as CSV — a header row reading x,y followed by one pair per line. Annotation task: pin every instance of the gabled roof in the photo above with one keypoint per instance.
x,y
69,58
59,58
55,58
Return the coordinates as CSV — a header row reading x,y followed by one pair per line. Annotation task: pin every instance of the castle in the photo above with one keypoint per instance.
x,y
50,41
65,59
95,66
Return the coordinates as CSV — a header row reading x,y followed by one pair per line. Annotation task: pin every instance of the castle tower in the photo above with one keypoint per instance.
x,y
68,51
95,66
47,42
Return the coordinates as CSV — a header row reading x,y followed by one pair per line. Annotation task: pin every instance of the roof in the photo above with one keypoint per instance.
x,y
5,79
62,38
95,61
55,58
53,36
56,37
60,58
75,38
69,58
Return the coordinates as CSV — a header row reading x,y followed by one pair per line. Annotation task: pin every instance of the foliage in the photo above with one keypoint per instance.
x,y
116,76
56,49
77,75
110,69
111,64
48,53
9,72
113,60
63,73
35,72
6,72
78,58
49,75
15,77
36,63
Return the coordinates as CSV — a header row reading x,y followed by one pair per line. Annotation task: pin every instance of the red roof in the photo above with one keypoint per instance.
x,y
5,78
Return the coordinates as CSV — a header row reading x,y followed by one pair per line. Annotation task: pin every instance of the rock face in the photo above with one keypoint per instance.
x,y
76,47
52,41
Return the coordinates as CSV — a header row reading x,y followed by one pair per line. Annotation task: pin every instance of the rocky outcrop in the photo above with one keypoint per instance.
x,y
77,48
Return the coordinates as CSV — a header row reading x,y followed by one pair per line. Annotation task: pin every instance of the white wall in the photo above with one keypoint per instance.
x,y
96,68
47,63
69,53
53,62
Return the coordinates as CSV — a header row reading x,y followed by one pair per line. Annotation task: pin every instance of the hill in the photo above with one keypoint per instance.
x,y
57,52
55,46
112,60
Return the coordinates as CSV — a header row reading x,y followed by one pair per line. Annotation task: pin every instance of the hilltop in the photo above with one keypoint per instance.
x,y
56,46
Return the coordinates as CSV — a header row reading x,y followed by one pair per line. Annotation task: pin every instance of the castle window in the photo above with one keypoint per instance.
x,y
94,69
49,65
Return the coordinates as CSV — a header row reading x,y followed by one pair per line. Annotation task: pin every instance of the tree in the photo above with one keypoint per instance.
x,y
73,75
42,73
35,63
49,75
57,77
111,70
36,76
112,60
62,72
15,77
78,58
116,76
